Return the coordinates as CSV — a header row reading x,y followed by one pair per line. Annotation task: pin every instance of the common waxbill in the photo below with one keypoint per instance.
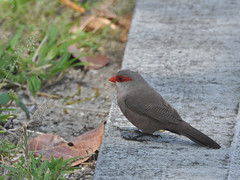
x,y
147,110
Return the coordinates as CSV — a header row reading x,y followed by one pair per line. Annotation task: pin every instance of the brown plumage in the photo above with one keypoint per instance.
x,y
147,110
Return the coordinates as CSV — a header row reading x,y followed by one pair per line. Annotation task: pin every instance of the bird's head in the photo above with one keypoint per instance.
x,y
127,78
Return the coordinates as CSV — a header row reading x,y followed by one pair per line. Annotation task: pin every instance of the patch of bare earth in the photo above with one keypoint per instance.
x,y
85,99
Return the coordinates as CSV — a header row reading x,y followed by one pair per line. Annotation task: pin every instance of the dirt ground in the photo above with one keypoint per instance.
x,y
70,121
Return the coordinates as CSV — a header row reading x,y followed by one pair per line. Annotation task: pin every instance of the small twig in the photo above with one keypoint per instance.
x,y
73,5
10,131
53,96
13,130
35,56
10,82
34,132
44,67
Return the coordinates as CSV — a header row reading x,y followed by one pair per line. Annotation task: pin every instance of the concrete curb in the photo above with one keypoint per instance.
x,y
189,52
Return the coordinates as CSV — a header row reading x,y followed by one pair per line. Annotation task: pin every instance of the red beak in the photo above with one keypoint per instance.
x,y
113,79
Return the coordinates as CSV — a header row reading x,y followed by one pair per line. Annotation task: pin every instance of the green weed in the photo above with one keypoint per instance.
x,y
39,49
38,169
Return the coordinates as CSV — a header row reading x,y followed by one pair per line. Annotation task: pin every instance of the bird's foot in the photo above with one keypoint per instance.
x,y
151,135
135,138
139,137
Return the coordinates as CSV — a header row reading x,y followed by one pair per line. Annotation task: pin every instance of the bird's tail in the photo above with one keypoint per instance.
x,y
197,136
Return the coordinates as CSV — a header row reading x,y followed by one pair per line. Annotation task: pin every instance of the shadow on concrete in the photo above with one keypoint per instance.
x,y
132,134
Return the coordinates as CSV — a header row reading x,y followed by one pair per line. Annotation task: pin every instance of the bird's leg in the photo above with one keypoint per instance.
x,y
136,135
151,135
142,134
139,135
136,138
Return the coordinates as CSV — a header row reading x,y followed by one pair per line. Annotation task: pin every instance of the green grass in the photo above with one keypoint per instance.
x,y
36,50
6,99
34,45
38,169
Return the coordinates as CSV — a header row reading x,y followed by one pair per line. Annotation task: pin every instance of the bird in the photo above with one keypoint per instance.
x,y
146,109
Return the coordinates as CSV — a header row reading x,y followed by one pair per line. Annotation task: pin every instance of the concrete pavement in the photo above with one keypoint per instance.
x,y
189,51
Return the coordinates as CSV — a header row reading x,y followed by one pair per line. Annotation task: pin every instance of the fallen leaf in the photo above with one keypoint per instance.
x,y
73,5
98,61
73,49
85,20
92,23
124,35
53,145
125,22
98,23
106,13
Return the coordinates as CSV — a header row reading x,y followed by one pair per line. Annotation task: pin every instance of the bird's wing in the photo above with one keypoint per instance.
x,y
157,109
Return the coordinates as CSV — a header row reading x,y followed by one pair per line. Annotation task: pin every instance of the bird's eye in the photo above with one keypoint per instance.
x,y
120,79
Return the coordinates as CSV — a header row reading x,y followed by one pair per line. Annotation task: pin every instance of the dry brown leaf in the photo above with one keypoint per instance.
x,y
98,61
84,22
125,22
124,35
53,145
106,13
73,5
93,23
73,49
98,23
